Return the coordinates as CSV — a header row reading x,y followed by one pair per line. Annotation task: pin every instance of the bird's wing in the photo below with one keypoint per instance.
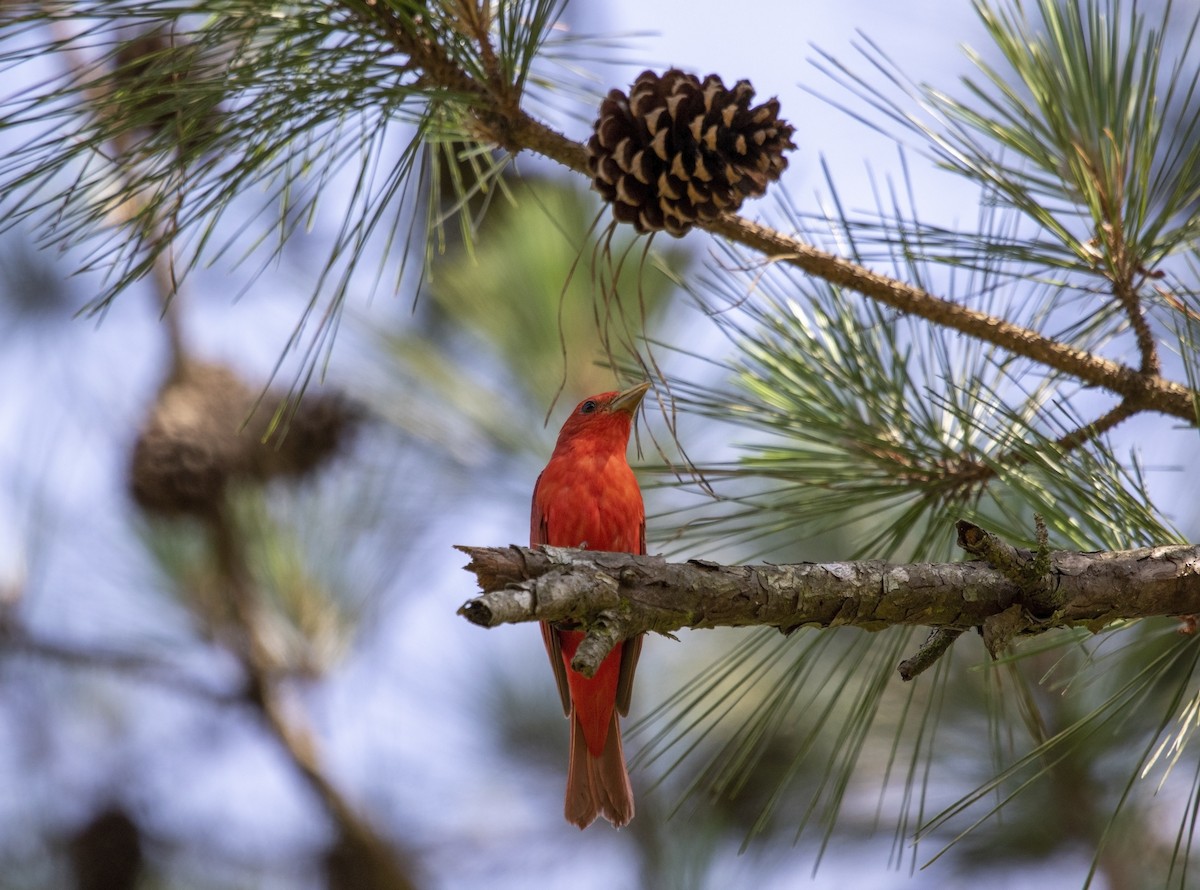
x,y
540,534
632,649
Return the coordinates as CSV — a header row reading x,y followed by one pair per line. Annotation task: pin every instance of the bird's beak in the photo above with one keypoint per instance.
x,y
629,400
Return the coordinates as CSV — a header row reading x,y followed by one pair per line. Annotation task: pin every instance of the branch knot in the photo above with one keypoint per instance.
x,y
1039,597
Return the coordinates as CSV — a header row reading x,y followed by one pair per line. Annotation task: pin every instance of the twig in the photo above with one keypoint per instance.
x,y
96,94
1147,344
1029,571
1142,391
1122,265
388,866
964,472
936,645
603,634
1116,415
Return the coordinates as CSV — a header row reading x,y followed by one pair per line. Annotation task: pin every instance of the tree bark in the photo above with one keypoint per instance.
x,y
617,595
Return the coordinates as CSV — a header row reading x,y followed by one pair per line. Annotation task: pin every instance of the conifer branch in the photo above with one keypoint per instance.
x,y
97,96
1111,418
516,130
653,595
1143,391
1123,267
1147,343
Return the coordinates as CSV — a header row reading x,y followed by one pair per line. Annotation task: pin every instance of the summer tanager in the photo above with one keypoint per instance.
x,y
588,497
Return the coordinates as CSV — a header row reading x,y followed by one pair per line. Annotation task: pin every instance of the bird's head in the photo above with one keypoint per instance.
x,y
606,417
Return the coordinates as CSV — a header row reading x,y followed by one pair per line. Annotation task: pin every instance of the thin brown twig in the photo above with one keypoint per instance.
x,y
970,471
389,867
1123,267
1118,414
1126,292
96,94
1143,391
477,20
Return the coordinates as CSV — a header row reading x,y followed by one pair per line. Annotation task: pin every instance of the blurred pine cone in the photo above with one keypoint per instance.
x,y
677,150
208,428
106,854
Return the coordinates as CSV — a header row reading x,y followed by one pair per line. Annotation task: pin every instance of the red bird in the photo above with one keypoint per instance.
x,y
588,497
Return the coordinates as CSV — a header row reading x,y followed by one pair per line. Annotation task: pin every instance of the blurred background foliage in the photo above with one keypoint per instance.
x,y
270,689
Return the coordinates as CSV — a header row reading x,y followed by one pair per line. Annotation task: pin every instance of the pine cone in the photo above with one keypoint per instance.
x,y
191,444
677,150
207,429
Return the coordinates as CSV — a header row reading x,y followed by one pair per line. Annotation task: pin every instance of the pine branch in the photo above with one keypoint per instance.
x,y
516,130
1125,289
967,472
1144,391
617,595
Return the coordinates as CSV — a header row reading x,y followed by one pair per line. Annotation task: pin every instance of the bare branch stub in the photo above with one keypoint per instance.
x,y
601,638
936,645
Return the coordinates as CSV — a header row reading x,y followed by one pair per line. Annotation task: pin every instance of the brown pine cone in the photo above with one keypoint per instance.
x,y
677,150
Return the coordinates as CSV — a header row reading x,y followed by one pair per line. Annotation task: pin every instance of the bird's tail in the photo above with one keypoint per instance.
x,y
598,786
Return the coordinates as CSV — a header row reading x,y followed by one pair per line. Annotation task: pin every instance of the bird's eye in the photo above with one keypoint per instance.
x,y
588,407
